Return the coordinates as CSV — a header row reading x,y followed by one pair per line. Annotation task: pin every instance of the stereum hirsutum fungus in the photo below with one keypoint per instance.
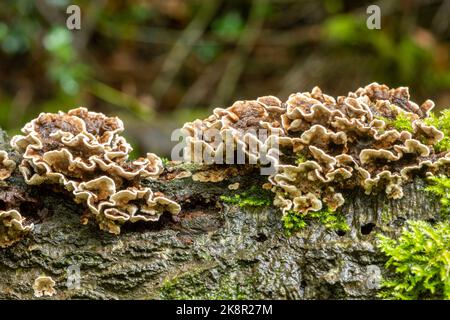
x,y
13,226
7,165
84,153
44,286
235,130
375,139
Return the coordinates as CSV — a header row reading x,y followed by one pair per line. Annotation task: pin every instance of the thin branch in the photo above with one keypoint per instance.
x,y
441,21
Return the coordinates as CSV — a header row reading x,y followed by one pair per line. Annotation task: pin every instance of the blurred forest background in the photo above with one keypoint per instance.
x,y
159,63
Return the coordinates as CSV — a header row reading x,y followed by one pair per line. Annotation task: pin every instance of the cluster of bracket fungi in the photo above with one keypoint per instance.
x,y
237,127
84,153
325,146
328,145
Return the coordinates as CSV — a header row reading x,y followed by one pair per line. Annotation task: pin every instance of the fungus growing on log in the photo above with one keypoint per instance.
x,y
12,228
84,153
245,128
7,165
44,286
374,138
351,141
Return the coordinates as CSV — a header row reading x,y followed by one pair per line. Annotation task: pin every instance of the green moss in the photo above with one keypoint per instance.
x,y
165,161
254,197
443,145
301,158
443,124
440,187
294,221
401,123
386,215
420,262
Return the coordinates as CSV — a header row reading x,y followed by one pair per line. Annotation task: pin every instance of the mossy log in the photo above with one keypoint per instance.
x,y
212,251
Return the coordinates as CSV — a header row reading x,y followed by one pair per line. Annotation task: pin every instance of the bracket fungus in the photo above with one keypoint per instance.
x,y
44,286
84,153
244,130
328,145
7,165
349,142
12,227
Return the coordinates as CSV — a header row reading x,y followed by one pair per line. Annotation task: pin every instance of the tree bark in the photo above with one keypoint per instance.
x,y
212,251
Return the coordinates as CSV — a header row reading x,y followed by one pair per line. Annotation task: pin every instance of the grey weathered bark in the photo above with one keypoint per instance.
x,y
213,251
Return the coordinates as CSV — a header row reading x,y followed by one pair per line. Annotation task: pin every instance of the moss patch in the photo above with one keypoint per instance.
x,y
165,161
401,123
300,158
419,260
442,123
294,221
254,197
440,187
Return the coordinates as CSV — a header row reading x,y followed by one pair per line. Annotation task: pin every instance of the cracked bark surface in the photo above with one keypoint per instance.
x,y
212,251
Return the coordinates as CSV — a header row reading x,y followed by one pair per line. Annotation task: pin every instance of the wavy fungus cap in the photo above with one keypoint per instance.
x,y
44,286
84,152
7,165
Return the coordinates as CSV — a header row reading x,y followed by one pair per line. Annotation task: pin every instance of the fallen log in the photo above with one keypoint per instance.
x,y
213,250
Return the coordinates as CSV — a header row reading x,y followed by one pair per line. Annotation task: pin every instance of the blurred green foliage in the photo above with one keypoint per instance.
x,y
228,26
25,32
64,68
399,59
